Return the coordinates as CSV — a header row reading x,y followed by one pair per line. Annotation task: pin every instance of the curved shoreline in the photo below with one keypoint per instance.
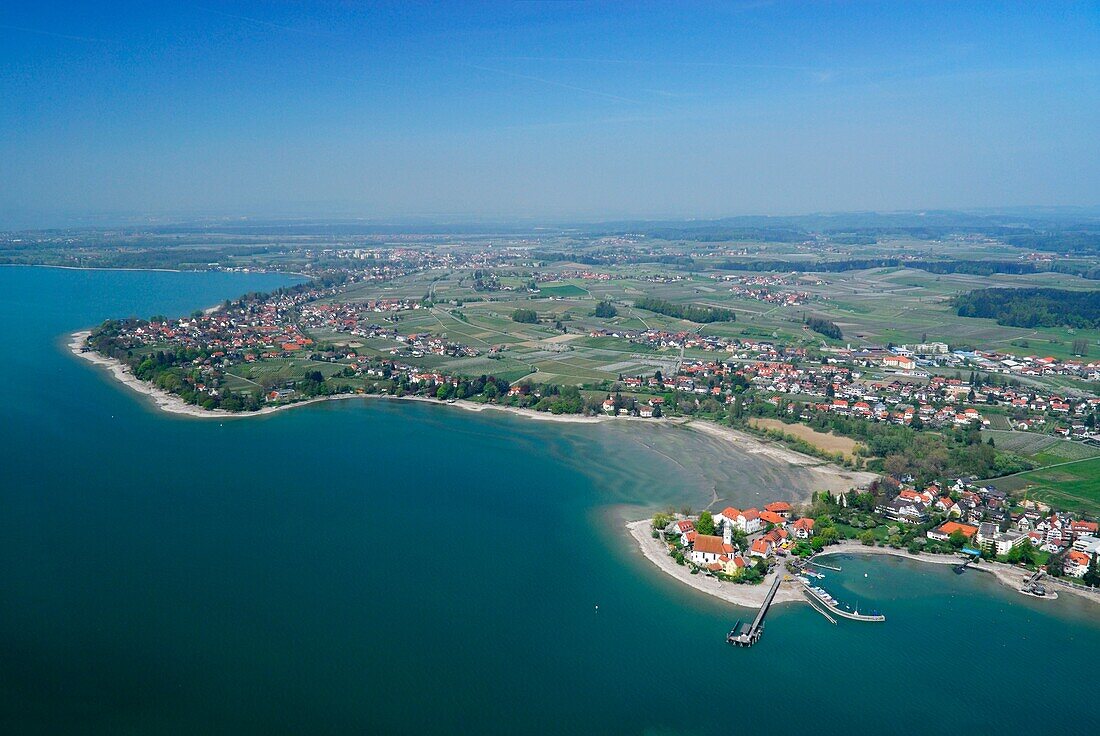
x,y
150,270
828,475
175,405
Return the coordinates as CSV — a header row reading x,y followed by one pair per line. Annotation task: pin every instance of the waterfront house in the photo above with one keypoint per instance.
x,y
1076,563
907,507
943,532
684,528
990,536
734,565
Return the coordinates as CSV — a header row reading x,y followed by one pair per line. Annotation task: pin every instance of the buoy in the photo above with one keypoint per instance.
x,y
597,608
864,574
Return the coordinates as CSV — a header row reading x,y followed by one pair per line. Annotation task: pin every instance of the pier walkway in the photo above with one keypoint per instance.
x,y
749,634
815,563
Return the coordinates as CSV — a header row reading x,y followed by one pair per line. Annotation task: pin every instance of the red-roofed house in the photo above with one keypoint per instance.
x,y
944,531
749,521
803,528
770,517
735,564
727,515
1076,563
1083,527
763,548
779,507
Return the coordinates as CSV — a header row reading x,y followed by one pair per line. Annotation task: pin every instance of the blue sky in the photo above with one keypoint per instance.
x,y
545,110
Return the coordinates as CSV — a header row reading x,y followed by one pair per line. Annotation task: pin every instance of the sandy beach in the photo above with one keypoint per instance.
x,y
829,476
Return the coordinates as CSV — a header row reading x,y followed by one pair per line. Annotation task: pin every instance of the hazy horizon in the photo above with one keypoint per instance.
x,y
559,111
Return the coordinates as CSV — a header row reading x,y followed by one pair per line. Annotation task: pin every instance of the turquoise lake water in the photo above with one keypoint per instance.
x,y
390,567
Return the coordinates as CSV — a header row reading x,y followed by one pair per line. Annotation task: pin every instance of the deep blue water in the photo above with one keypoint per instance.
x,y
374,567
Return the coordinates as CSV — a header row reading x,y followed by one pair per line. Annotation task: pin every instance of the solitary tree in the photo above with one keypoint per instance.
x,y
705,525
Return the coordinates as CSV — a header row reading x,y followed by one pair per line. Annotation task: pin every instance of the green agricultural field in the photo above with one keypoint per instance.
x,y
561,290
1074,486
1022,443
1041,448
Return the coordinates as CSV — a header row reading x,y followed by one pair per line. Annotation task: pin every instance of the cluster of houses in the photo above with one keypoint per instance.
x,y
349,316
939,355
244,332
939,401
646,410
418,345
981,515
582,275
984,517
738,348
768,533
767,288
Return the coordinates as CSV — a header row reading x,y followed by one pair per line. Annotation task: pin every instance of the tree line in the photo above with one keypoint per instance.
x,y
1033,307
824,327
690,312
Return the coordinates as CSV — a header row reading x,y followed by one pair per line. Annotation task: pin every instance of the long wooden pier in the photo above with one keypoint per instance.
x,y
749,634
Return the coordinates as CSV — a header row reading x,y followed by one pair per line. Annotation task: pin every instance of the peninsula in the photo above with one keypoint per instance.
x,y
905,434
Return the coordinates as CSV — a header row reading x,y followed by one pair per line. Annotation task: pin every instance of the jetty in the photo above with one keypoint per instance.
x,y
1032,586
960,569
815,563
834,608
820,610
745,635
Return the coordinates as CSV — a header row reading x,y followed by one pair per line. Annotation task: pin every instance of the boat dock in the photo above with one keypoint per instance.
x,y
834,608
748,634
